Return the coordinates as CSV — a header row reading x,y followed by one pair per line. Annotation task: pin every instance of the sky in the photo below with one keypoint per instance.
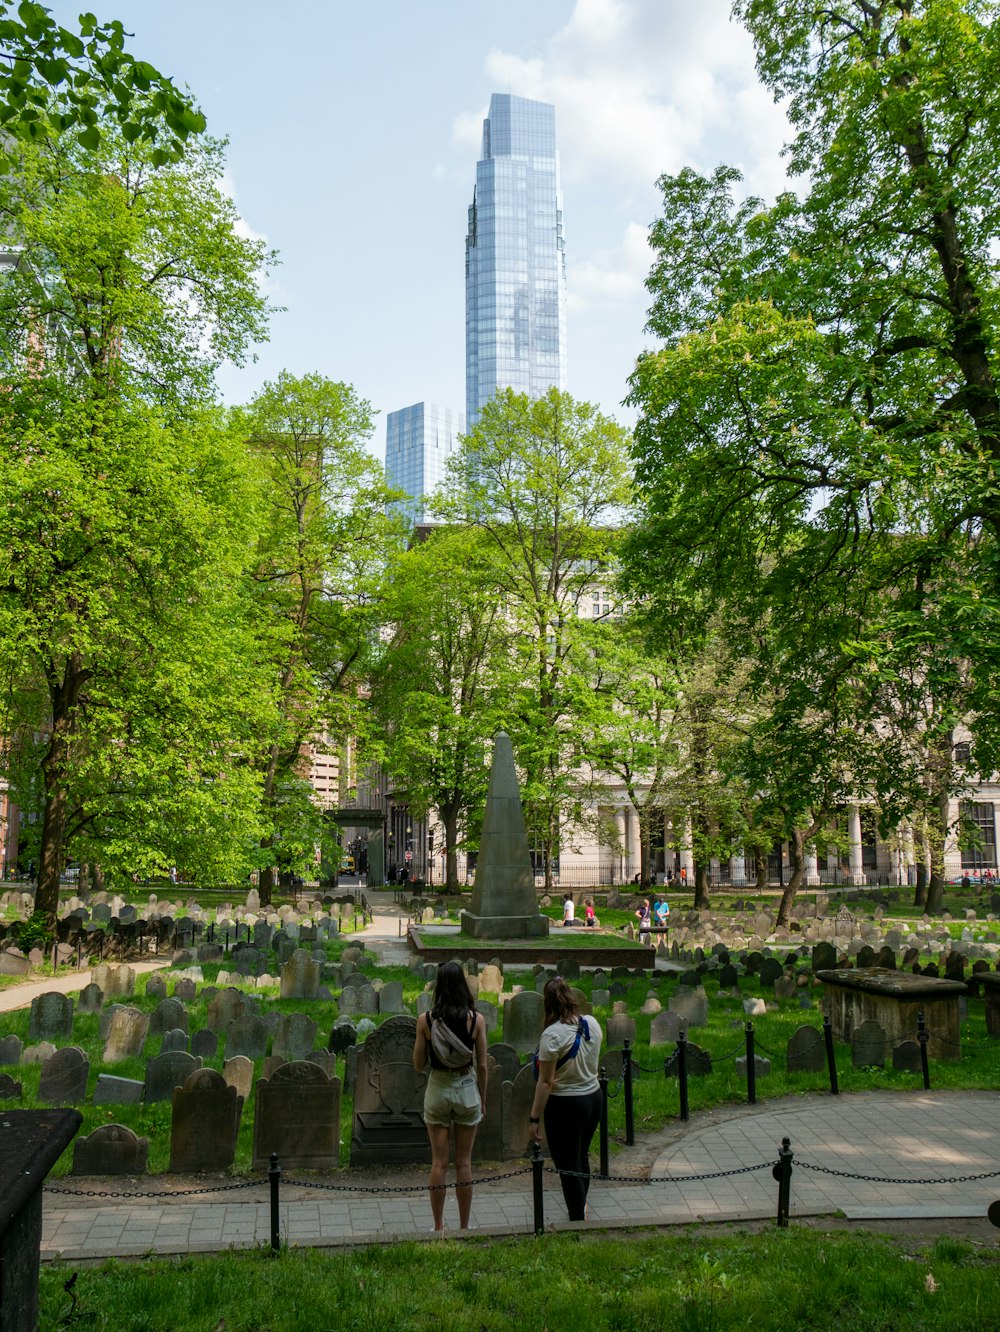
x,y
354,130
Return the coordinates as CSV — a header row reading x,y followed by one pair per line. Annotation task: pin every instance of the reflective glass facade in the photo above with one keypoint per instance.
x,y
515,262
418,439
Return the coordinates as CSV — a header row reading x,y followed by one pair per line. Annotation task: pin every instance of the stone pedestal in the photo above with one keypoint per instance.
x,y
991,993
893,999
31,1141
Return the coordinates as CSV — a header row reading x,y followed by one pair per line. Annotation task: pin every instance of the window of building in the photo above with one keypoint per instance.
x,y
979,835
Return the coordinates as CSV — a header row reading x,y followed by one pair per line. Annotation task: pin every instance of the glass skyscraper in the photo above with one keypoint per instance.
x,y
515,261
418,440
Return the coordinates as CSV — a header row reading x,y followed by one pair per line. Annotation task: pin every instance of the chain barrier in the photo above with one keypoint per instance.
x,y
618,1088
661,1179
735,1053
399,1188
155,1193
887,1179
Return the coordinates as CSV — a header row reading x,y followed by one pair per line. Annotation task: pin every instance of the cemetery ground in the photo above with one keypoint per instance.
x,y
514,1278
695,1281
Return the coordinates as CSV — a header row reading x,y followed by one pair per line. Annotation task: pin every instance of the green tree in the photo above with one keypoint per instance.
x,y
546,481
820,431
443,676
56,80
325,538
125,503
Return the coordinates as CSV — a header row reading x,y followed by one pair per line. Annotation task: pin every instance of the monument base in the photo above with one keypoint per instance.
x,y
504,927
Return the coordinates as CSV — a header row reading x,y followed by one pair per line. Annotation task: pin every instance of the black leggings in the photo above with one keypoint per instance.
x,y
570,1124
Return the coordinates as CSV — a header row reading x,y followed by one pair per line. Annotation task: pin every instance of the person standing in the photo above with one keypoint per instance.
x,y
567,1094
451,1037
569,911
644,916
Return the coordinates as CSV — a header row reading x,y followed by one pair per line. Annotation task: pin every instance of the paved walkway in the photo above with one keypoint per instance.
x,y
895,1136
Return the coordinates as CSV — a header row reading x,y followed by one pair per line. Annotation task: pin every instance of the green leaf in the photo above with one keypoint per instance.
x,y
90,138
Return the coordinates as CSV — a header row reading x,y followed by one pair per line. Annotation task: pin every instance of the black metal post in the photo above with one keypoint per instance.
x,y
274,1175
536,1187
783,1174
79,952
227,941
627,1093
751,1067
682,1073
923,1036
602,1082
831,1057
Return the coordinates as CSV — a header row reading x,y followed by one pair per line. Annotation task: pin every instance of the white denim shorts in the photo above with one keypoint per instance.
x,y
452,1098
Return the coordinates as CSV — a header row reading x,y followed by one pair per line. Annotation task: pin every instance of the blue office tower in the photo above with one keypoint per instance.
x,y
418,441
515,261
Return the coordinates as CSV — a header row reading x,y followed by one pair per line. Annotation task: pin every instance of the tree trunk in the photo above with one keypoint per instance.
x,y
797,852
64,696
266,880
449,820
760,870
920,891
701,885
936,841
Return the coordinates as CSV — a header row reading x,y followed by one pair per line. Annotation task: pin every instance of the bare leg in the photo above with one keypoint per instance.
x,y
438,1135
465,1136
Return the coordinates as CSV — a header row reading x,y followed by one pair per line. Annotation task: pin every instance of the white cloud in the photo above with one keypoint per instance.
x,y
608,277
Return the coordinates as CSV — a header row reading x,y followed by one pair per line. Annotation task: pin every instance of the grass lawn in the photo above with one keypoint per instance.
x,y
571,938
774,1281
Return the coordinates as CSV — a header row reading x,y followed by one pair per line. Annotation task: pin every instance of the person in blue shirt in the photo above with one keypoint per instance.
x,y
661,910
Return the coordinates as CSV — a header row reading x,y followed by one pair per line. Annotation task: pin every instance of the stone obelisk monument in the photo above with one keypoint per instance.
x,y
504,905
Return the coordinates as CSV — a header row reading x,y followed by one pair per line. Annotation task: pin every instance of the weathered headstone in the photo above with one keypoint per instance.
x,y
523,1016
508,1060
868,1045
205,1043
9,1089
185,990
294,1036
64,1077
906,1057
126,1035
168,1015
390,998
488,1011
618,1029
10,1049
300,977
367,999
490,980
223,1009
388,1097
691,1006
246,1035
204,1124
112,1090
824,956
111,1149
238,1073
697,1061
664,1029
91,999
729,977
51,1016
166,1072
806,1051
297,1115
156,987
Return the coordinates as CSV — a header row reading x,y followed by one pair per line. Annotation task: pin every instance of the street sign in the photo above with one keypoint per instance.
x,y
408,856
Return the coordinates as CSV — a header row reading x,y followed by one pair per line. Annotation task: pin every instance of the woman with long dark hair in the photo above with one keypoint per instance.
x,y
567,1095
452,1039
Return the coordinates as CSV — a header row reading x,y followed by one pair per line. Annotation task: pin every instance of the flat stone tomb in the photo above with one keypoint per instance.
x,y
893,999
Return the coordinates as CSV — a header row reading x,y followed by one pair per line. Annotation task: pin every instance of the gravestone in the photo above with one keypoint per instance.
x,y
824,956
868,1045
486,1009
620,1028
156,987
116,982
168,1015
294,1036
906,1058
176,1039
51,1016
367,999
388,1098
600,998
806,1051
770,970
9,1089
300,977
347,1004
225,1008
508,1060
698,1062
126,1035
64,1077
523,1016
91,999
238,1073
490,980
297,1115
691,1006
246,1035
185,990
504,904
111,1090
205,1043
785,987
488,1145
762,1066
166,1072
10,1049
204,1124
518,1098
729,977
342,1037
866,956
390,998
13,962
664,1029
248,961
111,1149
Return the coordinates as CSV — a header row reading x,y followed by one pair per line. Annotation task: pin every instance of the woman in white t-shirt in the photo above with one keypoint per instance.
x,y
567,1094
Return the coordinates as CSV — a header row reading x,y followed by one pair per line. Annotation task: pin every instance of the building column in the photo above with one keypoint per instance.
x,y
909,854
738,869
687,851
633,862
854,839
812,867
621,837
